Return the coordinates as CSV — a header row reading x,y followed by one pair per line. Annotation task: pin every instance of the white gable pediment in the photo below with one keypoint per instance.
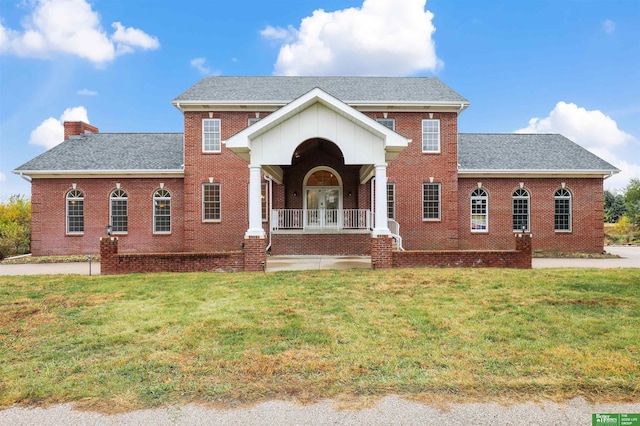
x,y
317,114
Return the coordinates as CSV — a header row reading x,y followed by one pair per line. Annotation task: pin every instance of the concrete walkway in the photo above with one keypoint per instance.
x,y
629,258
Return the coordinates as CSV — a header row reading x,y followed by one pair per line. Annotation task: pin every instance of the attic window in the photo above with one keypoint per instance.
x,y
389,123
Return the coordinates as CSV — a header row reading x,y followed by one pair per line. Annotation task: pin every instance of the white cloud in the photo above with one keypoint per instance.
x,y
593,130
3,177
198,63
608,26
277,33
72,27
383,37
87,92
128,38
51,131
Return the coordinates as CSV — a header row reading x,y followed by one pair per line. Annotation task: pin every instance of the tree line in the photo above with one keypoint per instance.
x,y
15,226
623,206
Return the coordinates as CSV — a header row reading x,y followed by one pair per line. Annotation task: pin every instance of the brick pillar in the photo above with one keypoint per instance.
x,y
255,254
524,249
108,250
381,252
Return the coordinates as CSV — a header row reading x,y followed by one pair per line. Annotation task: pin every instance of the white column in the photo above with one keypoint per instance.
x,y
255,204
381,225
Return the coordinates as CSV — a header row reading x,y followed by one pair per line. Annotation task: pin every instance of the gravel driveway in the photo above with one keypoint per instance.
x,y
389,411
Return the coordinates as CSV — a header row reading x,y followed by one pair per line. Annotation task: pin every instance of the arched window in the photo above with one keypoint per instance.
x,y
562,217
161,212
75,212
521,210
479,210
119,211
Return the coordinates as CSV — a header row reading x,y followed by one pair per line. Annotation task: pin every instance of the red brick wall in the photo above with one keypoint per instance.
x,y
381,253
412,168
255,255
225,168
317,244
48,228
587,214
519,258
76,128
112,263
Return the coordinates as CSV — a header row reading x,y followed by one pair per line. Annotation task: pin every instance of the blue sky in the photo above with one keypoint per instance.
x,y
570,67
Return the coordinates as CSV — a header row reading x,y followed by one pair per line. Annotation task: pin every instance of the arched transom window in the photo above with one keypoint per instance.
x,y
162,212
322,178
562,217
521,210
119,211
75,212
479,210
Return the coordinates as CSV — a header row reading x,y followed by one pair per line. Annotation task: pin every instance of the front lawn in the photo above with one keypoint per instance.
x,y
123,342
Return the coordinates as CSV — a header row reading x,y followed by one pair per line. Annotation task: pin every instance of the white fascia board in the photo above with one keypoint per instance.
x,y
535,173
363,105
99,173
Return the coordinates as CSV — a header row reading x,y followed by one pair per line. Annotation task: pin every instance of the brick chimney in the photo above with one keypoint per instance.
x,y
77,128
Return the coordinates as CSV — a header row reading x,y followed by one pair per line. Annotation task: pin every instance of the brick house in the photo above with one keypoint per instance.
x,y
315,165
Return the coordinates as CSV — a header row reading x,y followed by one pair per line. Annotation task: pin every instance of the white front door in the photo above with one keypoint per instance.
x,y
323,207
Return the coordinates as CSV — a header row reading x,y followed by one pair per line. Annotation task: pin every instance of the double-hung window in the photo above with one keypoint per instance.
x,y
391,200
161,212
211,202
521,210
264,201
431,135
562,216
431,201
211,135
479,210
118,211
75,212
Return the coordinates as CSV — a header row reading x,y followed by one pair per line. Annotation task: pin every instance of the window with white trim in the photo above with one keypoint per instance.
x,y
562,216
431,135
479,210
391,200
211,135
521,210
431,201
389,123
211,202
119,211
162,212
75,212
264,198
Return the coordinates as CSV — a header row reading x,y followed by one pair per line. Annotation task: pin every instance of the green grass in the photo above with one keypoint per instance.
x,y
124,342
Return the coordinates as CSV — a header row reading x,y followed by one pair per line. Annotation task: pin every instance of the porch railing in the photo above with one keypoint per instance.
x,y
320,219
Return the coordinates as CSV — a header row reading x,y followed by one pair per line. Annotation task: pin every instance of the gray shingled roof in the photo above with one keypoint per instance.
x,y
113,151
347,89
164,151
514,151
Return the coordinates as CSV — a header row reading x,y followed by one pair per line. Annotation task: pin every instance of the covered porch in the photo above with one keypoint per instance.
x,y
319,159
